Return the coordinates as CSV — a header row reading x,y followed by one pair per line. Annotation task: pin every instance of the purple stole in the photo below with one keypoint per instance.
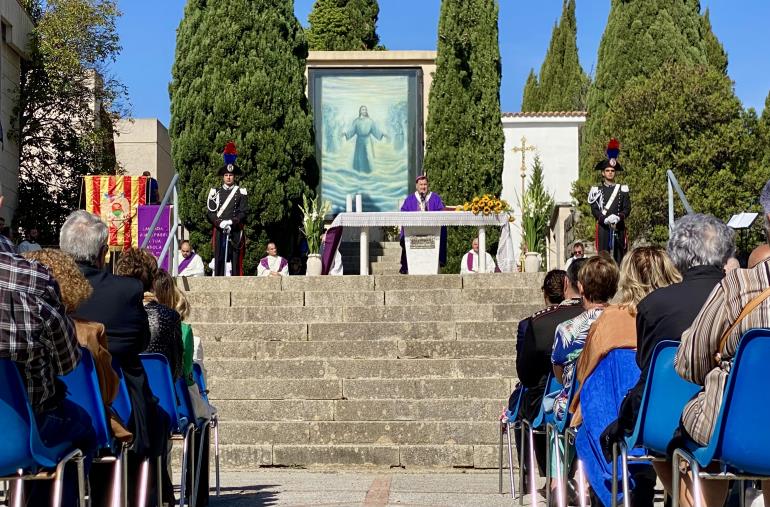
x,y
183,265
469,262
265,264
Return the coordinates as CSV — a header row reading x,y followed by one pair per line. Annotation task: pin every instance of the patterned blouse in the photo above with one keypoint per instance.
x,y
568,343
165,334
695,357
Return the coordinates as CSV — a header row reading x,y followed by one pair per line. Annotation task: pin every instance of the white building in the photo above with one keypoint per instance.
x,y
554,138
15,28
143,144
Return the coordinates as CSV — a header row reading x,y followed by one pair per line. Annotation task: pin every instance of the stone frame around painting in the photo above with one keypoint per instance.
x,y
401,184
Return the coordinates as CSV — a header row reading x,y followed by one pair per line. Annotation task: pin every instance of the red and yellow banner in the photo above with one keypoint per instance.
x,y
116,199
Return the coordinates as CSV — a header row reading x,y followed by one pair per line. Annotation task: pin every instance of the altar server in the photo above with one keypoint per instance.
x,y
470,262
273,264
190,263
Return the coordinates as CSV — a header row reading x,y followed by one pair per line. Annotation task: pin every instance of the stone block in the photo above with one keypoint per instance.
x,y
248,369
217,314
390,368
244,457
264,432
490,367
456,349
268,298
445,456
275,410
487,330
327,283
446,313
294,314
275,389
471,409
402,432
428,297
416,282
516,311
425,388
408,330
212,298
486,456
350,349
301,455
230,350
345,298
228,283
502,280
250,331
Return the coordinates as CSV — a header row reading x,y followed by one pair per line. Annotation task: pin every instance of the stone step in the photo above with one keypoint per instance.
x,y
406,409
318,388
360,349
425,330
301,369
389,258
250,457
359,432
385,314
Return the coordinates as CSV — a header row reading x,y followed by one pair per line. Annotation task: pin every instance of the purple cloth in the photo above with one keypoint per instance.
x,y
412,203
265,264
331,243
469,262
186,261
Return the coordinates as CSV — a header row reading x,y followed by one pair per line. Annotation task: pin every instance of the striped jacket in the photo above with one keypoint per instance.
x,y
695,358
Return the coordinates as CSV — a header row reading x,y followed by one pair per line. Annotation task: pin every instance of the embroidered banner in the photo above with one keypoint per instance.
x,y
145,216
116,200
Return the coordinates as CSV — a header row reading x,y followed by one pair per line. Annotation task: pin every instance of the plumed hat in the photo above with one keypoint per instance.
x,y
230,154
612,151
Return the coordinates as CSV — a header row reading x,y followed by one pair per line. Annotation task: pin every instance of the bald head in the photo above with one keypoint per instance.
x,y
759,254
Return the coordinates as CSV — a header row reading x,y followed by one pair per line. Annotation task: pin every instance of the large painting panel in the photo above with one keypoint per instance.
x,y
368,134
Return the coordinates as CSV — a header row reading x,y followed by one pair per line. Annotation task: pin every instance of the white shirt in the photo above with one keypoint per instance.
x,y
274,262
336,268
194,268
464,263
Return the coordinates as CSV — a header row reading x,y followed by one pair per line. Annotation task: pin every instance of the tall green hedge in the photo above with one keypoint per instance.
x,y
343,25
464,151
239,74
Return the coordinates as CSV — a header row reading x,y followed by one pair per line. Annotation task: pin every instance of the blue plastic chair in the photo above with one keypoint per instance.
x,y
509,420
740,442
200,379
83,389
665,395
536,426
24,454
159,376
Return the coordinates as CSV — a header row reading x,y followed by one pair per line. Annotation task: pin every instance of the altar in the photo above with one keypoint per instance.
x,y
419,228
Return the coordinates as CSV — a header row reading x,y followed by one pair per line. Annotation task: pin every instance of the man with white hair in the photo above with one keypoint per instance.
x,y
470,263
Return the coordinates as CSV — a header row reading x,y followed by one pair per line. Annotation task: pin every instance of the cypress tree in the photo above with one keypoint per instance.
x,y
243,80
715,52
464,147
343,25
641,36
530,101
562,83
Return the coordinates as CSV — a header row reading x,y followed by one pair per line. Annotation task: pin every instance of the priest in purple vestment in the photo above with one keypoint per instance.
x,y
423,200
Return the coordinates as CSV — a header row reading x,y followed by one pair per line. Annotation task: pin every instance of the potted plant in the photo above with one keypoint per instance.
x,y
536,209
313,213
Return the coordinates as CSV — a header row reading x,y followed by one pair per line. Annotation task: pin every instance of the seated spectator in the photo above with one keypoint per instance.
x,y
272,264
37,335
74,290
702,343
30,243
116,302
643,270
578,251
470,261
535,343
699,246
190,263
759,254
165,329
295,266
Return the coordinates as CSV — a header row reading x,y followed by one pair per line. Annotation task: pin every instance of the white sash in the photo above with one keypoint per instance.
x,y
423,205
227,201
611,200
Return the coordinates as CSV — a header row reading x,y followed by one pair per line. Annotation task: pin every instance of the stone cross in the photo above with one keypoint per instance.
x,y
524,149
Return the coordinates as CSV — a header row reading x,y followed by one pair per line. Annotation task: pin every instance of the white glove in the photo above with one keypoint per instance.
x,y
612,220
225,224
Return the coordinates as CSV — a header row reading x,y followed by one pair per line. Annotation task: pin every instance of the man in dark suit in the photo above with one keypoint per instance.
x,y
117,302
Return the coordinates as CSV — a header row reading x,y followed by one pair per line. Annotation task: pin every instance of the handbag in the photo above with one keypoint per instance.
x,y
750,306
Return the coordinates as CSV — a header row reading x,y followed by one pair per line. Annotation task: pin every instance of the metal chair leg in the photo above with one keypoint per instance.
x,y
17,493
159,479
615,475
500,459
532,485
560,484
199,467
144,477
216,449
696,490
521,463
624,472
548,466
581,483
81,482
510,459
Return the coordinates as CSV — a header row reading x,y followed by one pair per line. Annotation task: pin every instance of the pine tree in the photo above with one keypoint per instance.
x,y
715,52
640,38
243,80
562,83
464,147
343,25
530,102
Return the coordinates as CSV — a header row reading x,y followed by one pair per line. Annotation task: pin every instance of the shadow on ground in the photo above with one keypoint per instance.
x,y
263,495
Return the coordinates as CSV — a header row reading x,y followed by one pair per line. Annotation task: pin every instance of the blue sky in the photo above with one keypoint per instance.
x,y
148,33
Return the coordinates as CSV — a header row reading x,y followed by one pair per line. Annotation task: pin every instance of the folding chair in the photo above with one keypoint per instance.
x,y
159,376
740,442
201,425
510,419
24,455
665,395
558,428
83,389
200,379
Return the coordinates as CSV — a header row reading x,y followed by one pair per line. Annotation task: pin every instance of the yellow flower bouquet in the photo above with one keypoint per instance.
x,y
487,204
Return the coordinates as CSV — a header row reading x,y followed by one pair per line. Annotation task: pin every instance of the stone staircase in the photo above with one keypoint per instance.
x,y
392,371
384,257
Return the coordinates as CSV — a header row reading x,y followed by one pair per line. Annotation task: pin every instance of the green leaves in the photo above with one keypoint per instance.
x,y
536,206
344,25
